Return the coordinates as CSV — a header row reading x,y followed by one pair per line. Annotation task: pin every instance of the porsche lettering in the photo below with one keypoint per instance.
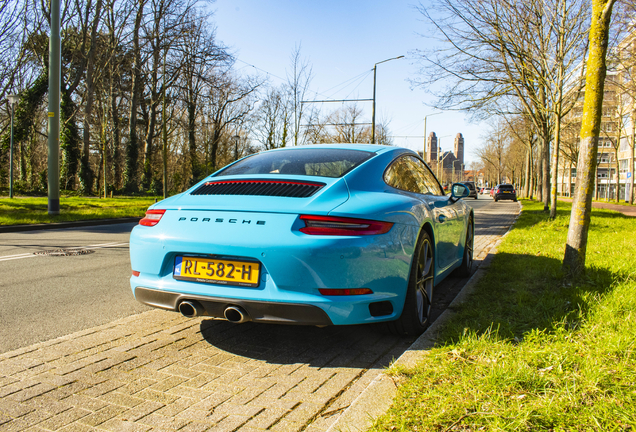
x,y
221,220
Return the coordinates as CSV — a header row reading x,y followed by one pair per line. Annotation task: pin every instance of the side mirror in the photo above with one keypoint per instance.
x,y
459,190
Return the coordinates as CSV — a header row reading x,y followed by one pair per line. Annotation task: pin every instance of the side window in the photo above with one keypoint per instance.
x,y
428,182
400,176
410,174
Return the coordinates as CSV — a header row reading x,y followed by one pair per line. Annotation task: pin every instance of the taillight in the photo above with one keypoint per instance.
x,y
152,217
135,273
339,226
345,291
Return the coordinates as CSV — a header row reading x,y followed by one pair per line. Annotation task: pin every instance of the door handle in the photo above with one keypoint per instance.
x,y
441,218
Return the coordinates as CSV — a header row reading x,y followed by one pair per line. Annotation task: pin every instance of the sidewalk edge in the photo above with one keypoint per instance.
x,y
60,225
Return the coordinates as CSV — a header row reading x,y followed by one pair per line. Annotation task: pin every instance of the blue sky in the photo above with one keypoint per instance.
x,y
343,40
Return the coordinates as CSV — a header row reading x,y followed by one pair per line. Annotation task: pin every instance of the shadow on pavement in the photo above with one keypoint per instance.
x,y
361,346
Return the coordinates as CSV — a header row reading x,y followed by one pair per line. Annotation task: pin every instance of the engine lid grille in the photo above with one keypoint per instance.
x,y
280,188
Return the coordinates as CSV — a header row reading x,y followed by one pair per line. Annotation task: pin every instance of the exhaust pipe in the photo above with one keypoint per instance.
x,y
236,314
190,309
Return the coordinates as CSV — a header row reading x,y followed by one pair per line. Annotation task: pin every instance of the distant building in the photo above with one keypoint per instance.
x,y
448,166
617,131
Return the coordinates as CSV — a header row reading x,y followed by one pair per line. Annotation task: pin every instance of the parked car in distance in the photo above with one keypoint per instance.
x,y
485,191
332,234
471,188
505,192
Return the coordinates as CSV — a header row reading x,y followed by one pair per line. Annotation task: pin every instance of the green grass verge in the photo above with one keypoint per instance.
x,y
529,352
18,211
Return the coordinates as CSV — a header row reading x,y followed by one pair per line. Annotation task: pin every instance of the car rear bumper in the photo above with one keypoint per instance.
x,y
510,196
259,311
294,267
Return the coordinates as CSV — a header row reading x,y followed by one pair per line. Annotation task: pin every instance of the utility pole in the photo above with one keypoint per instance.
x,y
164,128
54,110
373,109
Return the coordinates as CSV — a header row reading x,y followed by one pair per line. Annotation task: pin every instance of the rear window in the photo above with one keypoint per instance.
x,y
306,161
506,187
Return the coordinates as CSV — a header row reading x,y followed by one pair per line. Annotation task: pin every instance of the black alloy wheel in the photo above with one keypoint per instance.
x,y
467,262
419,296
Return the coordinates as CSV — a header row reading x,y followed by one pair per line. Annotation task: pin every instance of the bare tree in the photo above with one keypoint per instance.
x,y
576,245
298,81
493,151
132,146
624,57
493,55
86,174
273,125
229,102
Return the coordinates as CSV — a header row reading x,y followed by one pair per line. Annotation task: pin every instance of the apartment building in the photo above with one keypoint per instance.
x,y
615,146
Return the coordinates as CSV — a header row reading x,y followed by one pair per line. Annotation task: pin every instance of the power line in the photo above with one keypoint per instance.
x,y
336,100
365,73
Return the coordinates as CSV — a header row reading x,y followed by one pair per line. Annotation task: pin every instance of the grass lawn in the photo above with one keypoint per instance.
x,y
17,211
530,351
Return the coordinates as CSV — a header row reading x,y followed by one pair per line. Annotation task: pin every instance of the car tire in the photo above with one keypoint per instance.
x,y
467,261
419,295
496,200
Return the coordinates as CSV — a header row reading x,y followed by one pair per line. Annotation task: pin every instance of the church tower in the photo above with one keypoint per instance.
x,y
459,148
431,148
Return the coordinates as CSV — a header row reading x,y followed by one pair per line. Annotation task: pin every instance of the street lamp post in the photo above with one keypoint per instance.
x,y
13,99
373,110
441,161
53,175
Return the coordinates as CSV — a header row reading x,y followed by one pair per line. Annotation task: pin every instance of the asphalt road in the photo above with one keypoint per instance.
x,y
46,295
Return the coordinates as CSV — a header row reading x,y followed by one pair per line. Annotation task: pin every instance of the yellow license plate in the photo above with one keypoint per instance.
x,y
217,271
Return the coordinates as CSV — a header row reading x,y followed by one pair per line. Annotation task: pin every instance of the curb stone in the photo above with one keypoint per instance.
x,y
60,225
378,397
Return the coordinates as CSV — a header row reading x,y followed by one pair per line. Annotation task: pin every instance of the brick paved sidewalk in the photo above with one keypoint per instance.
x,y
491,223
627,210
160,371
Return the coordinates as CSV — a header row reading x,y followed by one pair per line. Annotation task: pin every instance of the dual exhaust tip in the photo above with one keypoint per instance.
x,y
234,314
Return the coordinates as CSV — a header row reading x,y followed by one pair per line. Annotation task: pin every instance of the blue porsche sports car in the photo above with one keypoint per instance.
x,y
320,235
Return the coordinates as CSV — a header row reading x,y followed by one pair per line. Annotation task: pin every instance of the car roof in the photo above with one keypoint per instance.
x,y
372,148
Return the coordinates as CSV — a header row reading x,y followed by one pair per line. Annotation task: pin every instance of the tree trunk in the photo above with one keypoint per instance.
x,y
528,174
69,141
545,171
86,173
576,245
192,145
132,147
618,177
539,176
631,166
114,110
555,167
570,181
115,138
